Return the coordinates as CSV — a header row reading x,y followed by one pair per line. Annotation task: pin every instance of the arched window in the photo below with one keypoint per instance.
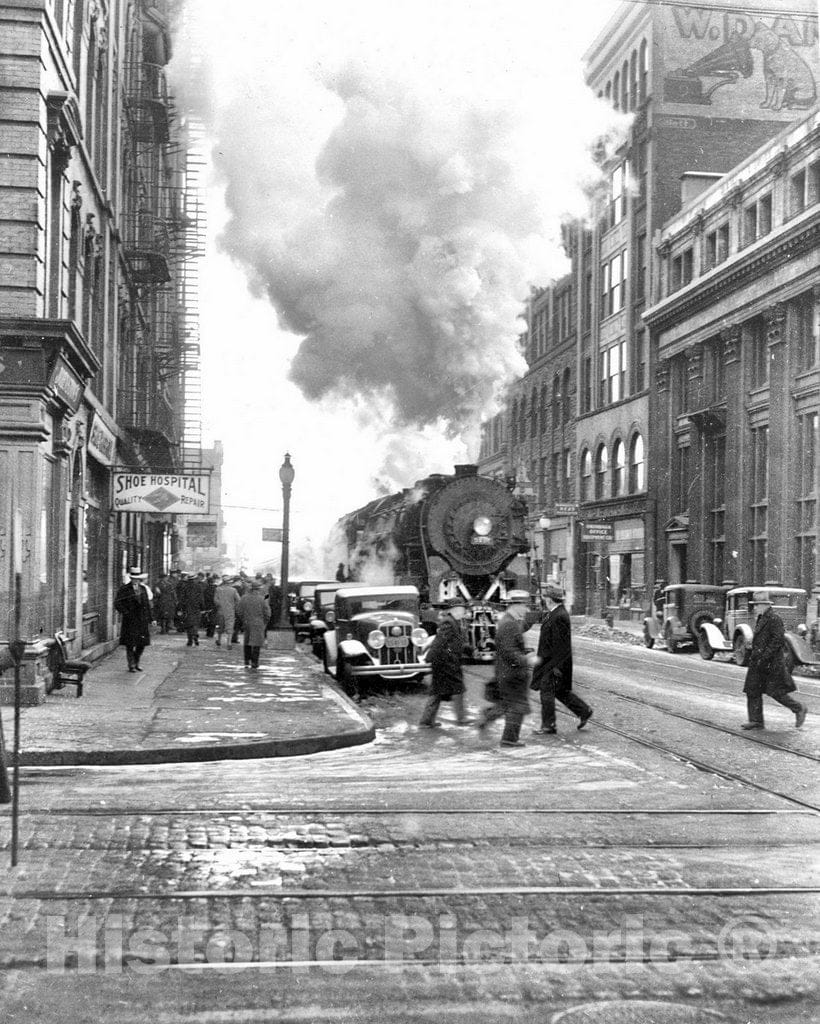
x,y
586,474
625,86
601,464
565,396
618,469
633,81
644,71
616,90
637,467
556,403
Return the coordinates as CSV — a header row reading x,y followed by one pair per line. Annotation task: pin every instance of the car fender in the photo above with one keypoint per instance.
x,y
318,626
746,632
651,625
800,650
330,647
714,636
354,649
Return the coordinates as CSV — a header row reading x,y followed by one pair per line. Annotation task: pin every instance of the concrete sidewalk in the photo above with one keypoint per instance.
x,y
191,704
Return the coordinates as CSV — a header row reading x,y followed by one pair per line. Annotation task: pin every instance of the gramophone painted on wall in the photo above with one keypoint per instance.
x,y
789,82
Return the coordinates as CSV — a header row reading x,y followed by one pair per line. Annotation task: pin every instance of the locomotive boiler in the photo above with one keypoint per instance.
x,y
459,535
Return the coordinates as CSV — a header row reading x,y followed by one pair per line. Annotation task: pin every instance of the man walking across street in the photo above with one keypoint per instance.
x,y
134,605
553,670
226,599
444,655
768,672
512,669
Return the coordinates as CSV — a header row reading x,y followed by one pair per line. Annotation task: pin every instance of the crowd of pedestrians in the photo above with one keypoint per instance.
x,y
200,605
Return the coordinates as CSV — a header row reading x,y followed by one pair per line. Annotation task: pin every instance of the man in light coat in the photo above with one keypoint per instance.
x,y
226,600
253,611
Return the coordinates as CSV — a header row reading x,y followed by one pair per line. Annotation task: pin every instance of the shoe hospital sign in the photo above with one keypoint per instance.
x,y
182,493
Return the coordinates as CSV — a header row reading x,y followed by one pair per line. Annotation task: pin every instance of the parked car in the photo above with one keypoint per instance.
x,y
686,606
376,635
323,615
301,606
733,633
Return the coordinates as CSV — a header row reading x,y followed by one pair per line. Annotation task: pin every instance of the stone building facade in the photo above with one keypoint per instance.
x,y
96,351
698,84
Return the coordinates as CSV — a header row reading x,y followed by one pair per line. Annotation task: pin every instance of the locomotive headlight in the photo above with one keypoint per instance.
x,y
419,636
482,525
375,639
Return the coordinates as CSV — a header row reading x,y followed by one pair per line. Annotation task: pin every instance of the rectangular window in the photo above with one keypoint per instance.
x,y
616,278
716,248
759,504
806,504
805,333
566,483
759,354
757,219
813,184
587,301
586,384
614,283
682,268
640,360
605,291
603,398
617,193
797,193
642,281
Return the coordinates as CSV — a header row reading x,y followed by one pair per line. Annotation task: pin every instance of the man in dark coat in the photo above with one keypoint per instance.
x,y
134,605
444,655
512,670
165,602
553,669
191,601
768,672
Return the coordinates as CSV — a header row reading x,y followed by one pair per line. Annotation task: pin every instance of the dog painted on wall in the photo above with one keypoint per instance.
x,y
789,81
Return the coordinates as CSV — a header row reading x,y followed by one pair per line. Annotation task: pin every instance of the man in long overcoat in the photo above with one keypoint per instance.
x,y
768,672
253,611
134,605
191,601
226,599
444,655
165,603
552,674
512,670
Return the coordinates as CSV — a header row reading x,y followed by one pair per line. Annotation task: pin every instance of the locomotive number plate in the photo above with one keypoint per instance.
x,y
397,641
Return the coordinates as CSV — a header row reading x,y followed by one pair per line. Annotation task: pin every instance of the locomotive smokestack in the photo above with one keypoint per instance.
x,y
468,469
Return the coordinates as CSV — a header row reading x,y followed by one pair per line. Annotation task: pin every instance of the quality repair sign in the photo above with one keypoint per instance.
x,y
180,494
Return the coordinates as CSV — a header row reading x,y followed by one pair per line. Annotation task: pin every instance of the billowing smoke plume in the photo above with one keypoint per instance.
x,y
396,219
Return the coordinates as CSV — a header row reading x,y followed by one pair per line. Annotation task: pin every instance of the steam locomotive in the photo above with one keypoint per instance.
x,y
459,535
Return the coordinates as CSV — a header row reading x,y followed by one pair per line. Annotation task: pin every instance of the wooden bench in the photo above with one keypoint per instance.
x,y
67,671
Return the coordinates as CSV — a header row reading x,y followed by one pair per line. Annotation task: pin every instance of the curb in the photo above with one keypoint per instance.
x,y
366,733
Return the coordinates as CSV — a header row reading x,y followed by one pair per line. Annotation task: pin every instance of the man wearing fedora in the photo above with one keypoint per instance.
x,y
253,611
768,672
444,655
512,670
553,670
134,605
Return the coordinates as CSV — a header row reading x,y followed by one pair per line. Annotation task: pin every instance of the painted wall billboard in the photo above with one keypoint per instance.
x,y
183,494
739,63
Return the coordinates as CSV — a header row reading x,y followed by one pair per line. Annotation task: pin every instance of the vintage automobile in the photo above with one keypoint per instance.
x,y
733,633
686,606
376,635
301,607
323,615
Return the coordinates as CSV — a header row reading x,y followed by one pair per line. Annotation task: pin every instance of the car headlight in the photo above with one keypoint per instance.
x,y
419,636
375,639
330,617
308,606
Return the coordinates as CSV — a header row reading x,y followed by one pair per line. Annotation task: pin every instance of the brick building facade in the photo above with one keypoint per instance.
x,y
97,345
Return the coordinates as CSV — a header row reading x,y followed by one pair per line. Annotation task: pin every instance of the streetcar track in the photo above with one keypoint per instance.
x,y
441,892
709,725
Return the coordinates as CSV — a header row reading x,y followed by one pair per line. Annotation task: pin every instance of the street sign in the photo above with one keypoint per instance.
x,y
566,508
597,531
271,534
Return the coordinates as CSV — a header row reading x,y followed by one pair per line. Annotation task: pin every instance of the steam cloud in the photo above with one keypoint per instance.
x,y
396,225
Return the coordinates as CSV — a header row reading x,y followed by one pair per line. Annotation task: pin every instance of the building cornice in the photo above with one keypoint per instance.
x,y
794,239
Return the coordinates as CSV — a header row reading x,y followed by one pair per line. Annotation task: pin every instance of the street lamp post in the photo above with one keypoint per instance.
x,y
286,475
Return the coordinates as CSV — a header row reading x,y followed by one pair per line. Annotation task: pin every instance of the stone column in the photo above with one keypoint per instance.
x,y
735,445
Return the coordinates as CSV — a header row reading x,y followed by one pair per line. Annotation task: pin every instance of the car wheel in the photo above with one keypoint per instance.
x,y
696,620
669,639
741,650
648,639
707,652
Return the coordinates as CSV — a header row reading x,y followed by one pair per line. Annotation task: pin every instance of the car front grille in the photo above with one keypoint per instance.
x,y
398,648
